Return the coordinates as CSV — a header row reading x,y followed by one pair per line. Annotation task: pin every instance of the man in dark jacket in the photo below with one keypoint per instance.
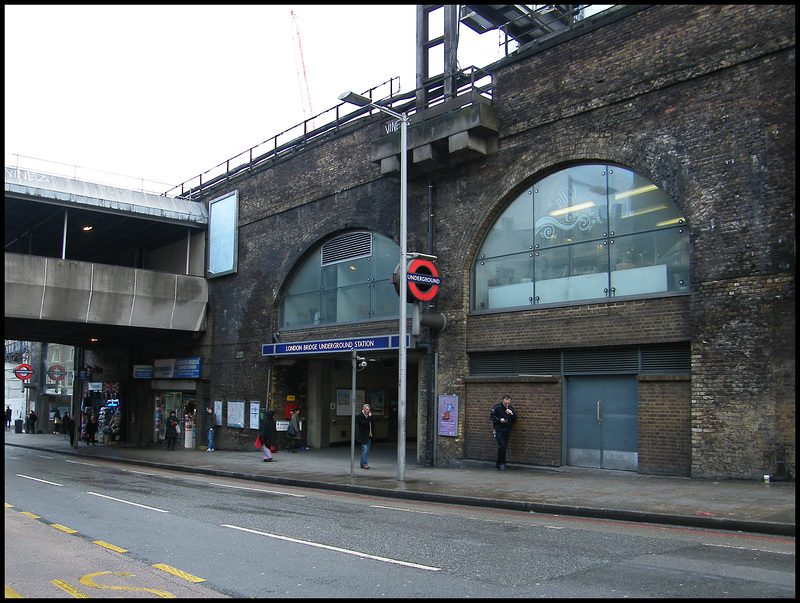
x,y
365,431
503,417
210,424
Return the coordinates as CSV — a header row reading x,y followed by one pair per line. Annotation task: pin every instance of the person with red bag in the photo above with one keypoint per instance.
x,y
267,436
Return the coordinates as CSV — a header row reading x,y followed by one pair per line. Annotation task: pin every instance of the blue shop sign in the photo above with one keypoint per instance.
x,y
178,368
326,346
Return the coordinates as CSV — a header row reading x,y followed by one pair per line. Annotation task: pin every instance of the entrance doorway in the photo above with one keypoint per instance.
x,y
602,427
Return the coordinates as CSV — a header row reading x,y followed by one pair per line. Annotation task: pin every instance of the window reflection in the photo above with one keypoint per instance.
x,y
349,290
598,231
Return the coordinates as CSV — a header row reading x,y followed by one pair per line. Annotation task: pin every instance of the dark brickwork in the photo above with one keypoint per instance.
x,y
698,99
665,425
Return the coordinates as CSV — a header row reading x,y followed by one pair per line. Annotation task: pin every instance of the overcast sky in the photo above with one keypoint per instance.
x,y
163,93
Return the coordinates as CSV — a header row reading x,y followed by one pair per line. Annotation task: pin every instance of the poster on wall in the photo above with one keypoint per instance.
x,y
218,411
343,401
255,406
376,398
235,413
448,416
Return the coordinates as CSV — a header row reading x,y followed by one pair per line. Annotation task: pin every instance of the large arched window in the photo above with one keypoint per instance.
x,y
347,279
586,232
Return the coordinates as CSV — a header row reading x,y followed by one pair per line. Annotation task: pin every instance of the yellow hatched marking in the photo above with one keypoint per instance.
x,y
178,573
58,526
109,546
67,587
12,594
30,514
88,580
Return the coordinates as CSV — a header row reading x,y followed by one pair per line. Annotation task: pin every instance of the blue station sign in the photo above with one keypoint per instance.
x,y
326,346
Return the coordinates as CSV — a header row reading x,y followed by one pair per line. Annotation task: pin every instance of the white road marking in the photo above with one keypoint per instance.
x,y
401,509
257,490
127,502
337,549
36,479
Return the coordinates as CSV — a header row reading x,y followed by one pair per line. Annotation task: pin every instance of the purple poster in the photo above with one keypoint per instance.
x,y
448,416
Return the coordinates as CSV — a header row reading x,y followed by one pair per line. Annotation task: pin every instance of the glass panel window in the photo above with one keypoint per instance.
x,y
347,289
386,301
505,282
513,230
635,204
301,310
571,273
308,278
570,206
352,303
649,263
598,231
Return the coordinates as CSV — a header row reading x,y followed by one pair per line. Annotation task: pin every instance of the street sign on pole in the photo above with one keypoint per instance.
x,y
23,371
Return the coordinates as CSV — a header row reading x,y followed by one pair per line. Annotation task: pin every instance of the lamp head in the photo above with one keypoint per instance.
x,y
354,99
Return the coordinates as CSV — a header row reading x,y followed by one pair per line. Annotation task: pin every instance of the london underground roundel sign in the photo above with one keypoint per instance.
x,y
23,371
56,372
423,279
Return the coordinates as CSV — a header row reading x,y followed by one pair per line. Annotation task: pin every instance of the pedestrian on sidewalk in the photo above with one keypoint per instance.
x,y
503,417
32,418
90,432
210,424
293,431
172,430
69,428
364,433
269,436
57,421
8,417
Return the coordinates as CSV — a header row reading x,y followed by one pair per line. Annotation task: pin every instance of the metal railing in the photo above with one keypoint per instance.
x,y
15,161
466,83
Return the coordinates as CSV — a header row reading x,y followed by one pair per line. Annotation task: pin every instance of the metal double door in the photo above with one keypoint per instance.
x,y
602,424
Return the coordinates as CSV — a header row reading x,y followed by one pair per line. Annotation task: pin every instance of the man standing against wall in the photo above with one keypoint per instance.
x,y
210,424
503,417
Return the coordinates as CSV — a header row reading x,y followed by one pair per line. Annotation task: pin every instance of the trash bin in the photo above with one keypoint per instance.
x,y
18,426
189,437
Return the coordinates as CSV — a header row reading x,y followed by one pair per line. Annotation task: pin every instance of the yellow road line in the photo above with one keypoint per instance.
x,y
109,546
178,573
58,526
30,514
67,587
8,506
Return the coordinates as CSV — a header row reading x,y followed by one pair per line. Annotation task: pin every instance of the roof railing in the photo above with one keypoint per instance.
x,y
299,138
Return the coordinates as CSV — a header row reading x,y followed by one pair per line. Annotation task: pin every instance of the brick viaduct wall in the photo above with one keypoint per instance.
x,y
700,100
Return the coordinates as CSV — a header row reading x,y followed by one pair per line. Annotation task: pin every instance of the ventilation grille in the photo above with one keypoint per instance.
x,y
350,246
547,362
602,360
667,358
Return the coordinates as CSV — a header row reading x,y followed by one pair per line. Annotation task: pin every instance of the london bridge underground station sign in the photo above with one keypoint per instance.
x,y
327,346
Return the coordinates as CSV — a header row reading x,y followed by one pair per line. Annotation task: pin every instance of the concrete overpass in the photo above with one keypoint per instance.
x,y
84,260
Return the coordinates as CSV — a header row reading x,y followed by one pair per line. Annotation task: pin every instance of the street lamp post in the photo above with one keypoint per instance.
x,y
363,101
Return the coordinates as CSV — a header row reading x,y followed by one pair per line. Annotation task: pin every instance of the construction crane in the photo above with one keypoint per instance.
x,y
305,94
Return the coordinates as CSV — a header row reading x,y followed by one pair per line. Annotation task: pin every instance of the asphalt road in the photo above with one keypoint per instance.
x,y
247,539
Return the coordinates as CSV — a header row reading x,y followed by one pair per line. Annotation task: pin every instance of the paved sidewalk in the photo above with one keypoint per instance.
x,y
750,506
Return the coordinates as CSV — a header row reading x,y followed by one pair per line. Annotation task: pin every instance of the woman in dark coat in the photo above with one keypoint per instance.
x,y
269,436
91,430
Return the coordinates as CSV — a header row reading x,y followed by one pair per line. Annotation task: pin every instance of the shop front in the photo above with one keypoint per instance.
x,y
175,386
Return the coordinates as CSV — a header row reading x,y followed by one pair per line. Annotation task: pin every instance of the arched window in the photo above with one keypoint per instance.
x,y
586,232
347,279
